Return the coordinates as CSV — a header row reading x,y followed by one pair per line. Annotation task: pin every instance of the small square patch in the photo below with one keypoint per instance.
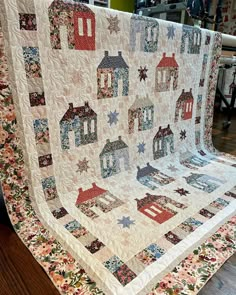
x,y
173,238
75,228
59,213
95,246
145,257
155,250
37,99
28,21
190,224
206,213
124,275
113,263
45,161
49,188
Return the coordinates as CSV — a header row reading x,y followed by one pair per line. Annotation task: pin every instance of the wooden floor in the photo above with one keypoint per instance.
x,y
20,274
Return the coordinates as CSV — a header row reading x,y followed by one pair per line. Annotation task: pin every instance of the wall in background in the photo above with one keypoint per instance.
x,y
124,5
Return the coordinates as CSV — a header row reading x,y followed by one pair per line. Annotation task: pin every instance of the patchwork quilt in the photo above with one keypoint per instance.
x,y
107,165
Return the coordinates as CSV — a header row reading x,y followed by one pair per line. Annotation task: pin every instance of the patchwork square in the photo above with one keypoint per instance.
x,y
41,131
32,62
37,99
113,263
28,21
146,257
49,188
219,203
45,161
75,228
59,213
206,213
124,274
173,238
95,246
190,224
155,250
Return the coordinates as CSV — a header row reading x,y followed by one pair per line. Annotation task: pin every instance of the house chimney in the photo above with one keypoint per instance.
x,y
182,91
71,106
164,54
86,104
147,194
80,190
168,126
173,54
108,141
160,128
119,137
191,90
119,53
136,199
148,164
138,168
94,184
106,53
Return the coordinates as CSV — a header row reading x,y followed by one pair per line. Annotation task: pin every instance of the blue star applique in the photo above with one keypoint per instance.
x,y
125,221
171,32
113,118
141,147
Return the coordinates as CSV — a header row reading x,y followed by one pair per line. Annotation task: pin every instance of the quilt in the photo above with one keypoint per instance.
x,y
107,166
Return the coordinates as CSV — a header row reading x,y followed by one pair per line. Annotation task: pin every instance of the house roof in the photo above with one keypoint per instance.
x,y
113,146
82,112
69,5
145,171
162,132
185,95
141,102
168,61
89,194
147,200
112,61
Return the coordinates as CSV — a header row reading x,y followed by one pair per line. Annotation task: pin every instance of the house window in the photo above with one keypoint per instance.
x,y
110,160
186,109
160,144
92,126
110,198
102,80
80,27
89,27
149,212
149,34
199,38
164,76
85,127
109,79
156,209
154,34
104,163
103,200
149,114
190,107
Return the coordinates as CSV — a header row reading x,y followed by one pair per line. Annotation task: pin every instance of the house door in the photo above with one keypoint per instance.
x,y
122,164
71,136
64,37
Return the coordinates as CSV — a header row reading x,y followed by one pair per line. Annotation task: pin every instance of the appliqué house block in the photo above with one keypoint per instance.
x,y
184,106
152,177
165,70
191,40
162,142
141,114
96,197
110,72
73,22
203,182
155,207
149,31
191,161
112,156
82,121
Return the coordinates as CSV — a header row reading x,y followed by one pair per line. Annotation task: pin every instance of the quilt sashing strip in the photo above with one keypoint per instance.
x,y
42,137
